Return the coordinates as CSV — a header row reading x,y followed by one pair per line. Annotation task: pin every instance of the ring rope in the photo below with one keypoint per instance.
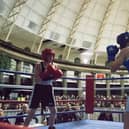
x,y
39,114
31,87
20,101
15,72
63,112
64,101
69,78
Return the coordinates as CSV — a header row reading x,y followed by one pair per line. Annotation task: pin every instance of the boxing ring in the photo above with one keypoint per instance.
x,y
89,109
87,124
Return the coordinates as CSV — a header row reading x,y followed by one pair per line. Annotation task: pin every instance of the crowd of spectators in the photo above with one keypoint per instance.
x,y
113,101
72,104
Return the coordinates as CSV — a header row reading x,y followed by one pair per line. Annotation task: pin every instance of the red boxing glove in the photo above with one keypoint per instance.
x,y
54,71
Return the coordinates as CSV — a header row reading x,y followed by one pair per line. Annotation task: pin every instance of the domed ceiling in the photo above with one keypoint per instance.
x,y
73,28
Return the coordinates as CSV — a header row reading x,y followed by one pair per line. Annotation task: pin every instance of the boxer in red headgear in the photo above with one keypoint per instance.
x,y
52,72
45,73
46,52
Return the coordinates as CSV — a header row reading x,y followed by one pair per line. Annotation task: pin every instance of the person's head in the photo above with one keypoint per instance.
x,y
68,106
48,55
1,112
123,39
25,108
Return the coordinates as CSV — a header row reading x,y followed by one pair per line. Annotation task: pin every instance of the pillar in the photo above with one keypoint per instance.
x,y
108,84
18,68
64,81
122,85
80,92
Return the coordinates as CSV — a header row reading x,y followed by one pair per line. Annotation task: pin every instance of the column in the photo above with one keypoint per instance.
x,y
108,84
64,81
18,68
122,84
80,92
1,77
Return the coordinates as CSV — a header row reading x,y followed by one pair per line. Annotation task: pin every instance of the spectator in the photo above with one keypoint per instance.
x,y
68,116
105,116
2,115
20,119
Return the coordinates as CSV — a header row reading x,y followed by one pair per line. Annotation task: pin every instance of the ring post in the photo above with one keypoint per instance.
x,y
89,102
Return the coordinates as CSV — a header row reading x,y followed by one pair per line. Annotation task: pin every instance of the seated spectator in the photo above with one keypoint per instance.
x,y
76,115
20,119
68,116
105,116
2,115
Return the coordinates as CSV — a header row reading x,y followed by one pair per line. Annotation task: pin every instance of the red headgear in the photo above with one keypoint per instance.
x,y
47,52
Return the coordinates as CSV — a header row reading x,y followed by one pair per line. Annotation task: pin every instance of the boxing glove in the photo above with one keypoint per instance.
x,y
54,71
112,50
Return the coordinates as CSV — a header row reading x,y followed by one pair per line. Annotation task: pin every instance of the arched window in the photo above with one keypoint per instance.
x,y
77,60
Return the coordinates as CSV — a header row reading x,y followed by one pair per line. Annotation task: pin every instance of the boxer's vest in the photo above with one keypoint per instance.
x,y
42,66
45,82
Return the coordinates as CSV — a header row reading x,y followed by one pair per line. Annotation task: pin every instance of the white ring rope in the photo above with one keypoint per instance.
x,y
61,88
31,87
